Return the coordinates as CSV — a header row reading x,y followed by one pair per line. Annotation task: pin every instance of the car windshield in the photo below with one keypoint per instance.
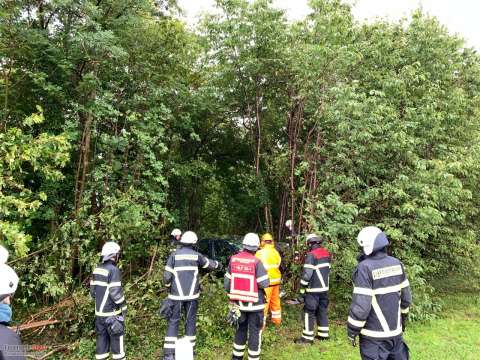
x,y
202,247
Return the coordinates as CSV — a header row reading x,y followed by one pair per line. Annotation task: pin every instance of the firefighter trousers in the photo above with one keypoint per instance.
x,y
106,343
315,311
390,349
249,328
273,305
189,308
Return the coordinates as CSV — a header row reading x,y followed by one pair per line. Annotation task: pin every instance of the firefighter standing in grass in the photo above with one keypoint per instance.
x,y
271,260
314,288
110,305
245,280
181,276
380,302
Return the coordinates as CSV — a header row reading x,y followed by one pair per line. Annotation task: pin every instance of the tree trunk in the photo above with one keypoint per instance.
x,y
295,120
84,158
86,119
283,213
259,132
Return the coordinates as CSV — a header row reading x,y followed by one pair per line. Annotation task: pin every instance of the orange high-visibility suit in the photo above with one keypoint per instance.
x,y
271,260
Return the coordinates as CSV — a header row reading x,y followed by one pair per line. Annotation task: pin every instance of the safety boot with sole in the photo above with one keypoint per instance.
x,y
303,341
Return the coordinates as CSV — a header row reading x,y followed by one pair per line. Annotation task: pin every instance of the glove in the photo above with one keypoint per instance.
x,y
115,325
166,309
404,322
352,338
301,298
234,314
219,266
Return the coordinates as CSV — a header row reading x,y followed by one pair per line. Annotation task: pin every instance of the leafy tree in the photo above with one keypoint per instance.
x,y
26,161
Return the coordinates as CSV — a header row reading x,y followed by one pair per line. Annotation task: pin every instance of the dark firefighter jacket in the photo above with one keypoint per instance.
x,y
316,270
106,289
381,294
181,273
10,344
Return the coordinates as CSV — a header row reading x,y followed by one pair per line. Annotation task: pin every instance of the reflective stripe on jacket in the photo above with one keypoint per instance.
x,y
381,294
316,270
106,289
181,273
261,279
271,260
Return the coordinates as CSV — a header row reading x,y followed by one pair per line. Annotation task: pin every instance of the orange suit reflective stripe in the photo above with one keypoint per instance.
x,y
273,304
271,260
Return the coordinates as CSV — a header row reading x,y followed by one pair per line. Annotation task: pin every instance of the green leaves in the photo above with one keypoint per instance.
x,y
117,122
23,155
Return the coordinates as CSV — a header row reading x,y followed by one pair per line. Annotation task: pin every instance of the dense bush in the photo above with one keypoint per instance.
x,y
236,126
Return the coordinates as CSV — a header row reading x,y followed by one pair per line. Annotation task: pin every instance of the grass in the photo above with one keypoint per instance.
x,y
453,336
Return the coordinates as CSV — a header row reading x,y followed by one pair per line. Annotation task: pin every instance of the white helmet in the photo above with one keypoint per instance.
x,y
109,250
176,232
3,255
311,238
289,224
251,241
371,239
8,280
189,238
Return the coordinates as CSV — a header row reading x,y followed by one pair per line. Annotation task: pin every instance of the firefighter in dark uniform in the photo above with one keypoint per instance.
x,y
245,280
314,288
381,300
10,344
181,276
110,305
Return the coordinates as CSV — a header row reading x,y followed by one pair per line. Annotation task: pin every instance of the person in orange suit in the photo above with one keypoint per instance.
x,y
271,260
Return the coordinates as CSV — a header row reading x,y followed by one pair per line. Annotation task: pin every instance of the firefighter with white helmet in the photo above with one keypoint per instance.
x,y
381,300
245,282
9,339
182,278
110,306
175,237
314,288
176,233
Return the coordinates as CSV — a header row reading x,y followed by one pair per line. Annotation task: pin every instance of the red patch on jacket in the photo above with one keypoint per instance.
x,y
320,253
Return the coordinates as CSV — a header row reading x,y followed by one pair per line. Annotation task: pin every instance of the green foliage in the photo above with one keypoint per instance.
x,y
26,160
393,144
237,126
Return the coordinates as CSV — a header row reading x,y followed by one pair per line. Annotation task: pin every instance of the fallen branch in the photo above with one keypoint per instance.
x,y
34,325
150,269
153,261
50,353
64,303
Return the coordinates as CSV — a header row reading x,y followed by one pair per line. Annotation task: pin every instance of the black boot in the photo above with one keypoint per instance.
x,y
169,357
302,340
322,338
